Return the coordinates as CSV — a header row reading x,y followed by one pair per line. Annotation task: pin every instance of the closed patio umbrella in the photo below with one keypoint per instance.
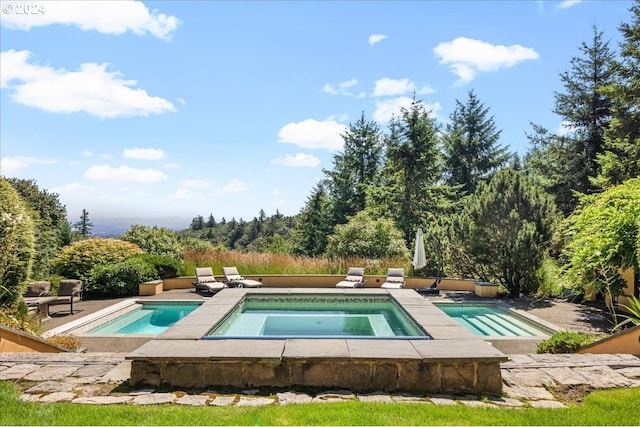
x,y
419,256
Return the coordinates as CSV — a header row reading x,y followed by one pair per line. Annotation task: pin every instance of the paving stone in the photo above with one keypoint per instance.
x,y
475,403
518,360
154,399
604,377
103,400
547,404
293,398
222,401
526,377
92,371
442,401
409,399
118,374
375,397
337,396
61,396
193,400
506,401
529,393
565,376
91,390
28,397
51,372
50,387
141,392
630,372
255,401
18,371
82,380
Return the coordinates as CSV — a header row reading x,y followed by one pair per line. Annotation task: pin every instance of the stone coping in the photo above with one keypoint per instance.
x,y
450,340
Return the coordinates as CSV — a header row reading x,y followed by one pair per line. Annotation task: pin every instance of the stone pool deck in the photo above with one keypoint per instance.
x,y
529,380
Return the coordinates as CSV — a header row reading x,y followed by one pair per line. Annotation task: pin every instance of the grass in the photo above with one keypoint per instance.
x,y
271,263
608,407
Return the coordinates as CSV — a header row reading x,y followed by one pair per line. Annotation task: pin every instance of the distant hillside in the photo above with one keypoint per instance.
x,y
114,227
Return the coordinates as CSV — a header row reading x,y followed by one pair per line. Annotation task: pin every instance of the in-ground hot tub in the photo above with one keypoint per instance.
x,y
453,360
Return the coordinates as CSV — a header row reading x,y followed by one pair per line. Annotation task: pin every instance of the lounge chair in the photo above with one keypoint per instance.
x,y
206,281
395,279
70,290
234,279
355,278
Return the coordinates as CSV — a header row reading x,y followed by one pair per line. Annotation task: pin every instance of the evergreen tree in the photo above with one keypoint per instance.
x,y
503,232
84,225
354,169
567,164
621,160
471,148
197,223
410,191
211,221
314,224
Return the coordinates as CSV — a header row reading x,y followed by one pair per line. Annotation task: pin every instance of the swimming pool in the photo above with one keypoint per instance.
x,y
318,316
149,318
492,320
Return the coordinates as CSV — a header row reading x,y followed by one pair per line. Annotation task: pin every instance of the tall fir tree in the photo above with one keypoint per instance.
x,y
567,163
84,225
355,168
314,224
621,160
471,150
410,190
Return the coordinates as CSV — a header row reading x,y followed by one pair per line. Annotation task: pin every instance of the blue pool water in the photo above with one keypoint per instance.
x,y
491,320
149,319
317,316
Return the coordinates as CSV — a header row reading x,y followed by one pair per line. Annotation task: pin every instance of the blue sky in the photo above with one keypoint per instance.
x,y
180,108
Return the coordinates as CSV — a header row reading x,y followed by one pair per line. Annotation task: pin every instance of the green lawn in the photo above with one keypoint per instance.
x,y
610,407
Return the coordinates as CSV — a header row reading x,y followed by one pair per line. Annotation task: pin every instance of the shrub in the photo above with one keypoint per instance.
x,y
17,244
166,266
367,237
154,240
120,279
77,260
564,342
66,341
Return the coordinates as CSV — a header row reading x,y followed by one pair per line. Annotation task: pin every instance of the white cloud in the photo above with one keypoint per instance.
x,y
467,57
124,174
394,87
566,4
73,188
143,153
387,108
299,160
376,38
91,89
11,165
109,17
343,89
311,133
235,186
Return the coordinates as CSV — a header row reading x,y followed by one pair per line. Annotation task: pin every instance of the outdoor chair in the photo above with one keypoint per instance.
x,y
234,279
395,279
355,278
38,289
70,290
206,281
